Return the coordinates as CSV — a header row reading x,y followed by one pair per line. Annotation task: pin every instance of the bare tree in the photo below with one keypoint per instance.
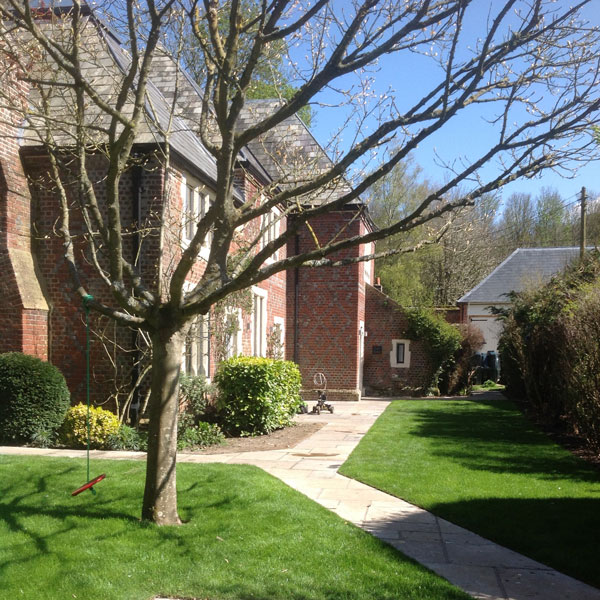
x,y
533,65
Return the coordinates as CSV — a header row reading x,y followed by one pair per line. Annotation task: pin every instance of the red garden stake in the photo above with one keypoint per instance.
x,y
90,482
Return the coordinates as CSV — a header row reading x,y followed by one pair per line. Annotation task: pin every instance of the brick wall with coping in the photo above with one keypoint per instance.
x,y
386,321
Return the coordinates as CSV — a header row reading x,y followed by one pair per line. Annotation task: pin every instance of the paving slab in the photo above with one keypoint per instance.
x,y
480,567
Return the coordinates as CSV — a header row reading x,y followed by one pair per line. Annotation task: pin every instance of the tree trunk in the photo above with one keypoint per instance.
x,y
160,494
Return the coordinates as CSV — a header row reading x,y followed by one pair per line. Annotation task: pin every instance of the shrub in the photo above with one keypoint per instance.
x,y
103,426
442,339
257,395
550,352
458,375
199,436
127,438
193,395
34,399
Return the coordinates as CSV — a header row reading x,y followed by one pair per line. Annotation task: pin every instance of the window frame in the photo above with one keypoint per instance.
x,y
197,199
396,345
259,336
197,348
270,228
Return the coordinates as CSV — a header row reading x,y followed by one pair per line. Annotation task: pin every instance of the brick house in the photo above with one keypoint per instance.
x,y
330,320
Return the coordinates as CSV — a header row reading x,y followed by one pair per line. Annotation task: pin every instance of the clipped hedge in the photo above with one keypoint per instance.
x,y
257,395
34,399
104,427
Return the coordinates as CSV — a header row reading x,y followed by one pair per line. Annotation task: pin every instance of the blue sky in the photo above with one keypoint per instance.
x,y
464,136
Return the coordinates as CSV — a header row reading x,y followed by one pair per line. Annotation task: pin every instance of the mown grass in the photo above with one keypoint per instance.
x,y
248,536
482,465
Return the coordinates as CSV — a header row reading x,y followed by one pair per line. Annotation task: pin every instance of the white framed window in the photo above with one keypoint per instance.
x,y
233,342
270,230
400,354
277,338
259,322
368,265
196,202
197,348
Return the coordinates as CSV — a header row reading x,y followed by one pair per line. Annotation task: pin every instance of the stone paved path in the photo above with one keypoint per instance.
x,y
483,569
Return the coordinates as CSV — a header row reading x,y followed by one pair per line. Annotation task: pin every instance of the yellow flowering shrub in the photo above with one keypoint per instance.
x,y
74,433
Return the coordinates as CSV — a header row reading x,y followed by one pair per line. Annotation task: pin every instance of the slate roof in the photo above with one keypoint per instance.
x,y
287,155
523,268
290,152
104,62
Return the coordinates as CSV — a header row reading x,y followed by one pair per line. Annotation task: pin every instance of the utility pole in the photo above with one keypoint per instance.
x,y
583,242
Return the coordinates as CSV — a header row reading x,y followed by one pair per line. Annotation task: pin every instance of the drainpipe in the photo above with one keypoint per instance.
x,y
136,217
296,297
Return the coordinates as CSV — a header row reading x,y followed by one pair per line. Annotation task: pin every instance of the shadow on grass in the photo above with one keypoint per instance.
x,y
559,532
493,436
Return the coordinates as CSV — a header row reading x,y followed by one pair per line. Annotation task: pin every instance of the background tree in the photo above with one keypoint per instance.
x,y
526,50
441,271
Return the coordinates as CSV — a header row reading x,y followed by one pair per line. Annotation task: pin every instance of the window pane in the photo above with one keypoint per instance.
x,y
399,353
189,213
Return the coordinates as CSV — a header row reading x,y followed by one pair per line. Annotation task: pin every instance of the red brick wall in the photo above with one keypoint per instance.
x,y
67,331
329,304
22,327
385,322
111,345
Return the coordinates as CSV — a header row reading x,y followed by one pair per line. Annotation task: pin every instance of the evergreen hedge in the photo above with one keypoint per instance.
x,y
34,399
257,395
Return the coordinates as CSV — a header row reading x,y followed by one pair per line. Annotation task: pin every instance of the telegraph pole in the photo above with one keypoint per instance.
x,y
583,242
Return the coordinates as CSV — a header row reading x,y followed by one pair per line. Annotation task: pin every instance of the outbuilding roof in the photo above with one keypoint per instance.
x,y
524,268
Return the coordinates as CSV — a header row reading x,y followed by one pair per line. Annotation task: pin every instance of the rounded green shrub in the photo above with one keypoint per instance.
x,y
257,395
34,398
104,426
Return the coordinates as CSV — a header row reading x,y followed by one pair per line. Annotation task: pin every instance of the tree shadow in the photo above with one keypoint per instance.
x,y
499,441
559,532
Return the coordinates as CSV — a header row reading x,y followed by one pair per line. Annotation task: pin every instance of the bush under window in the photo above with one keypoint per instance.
x,y
257,395
104,426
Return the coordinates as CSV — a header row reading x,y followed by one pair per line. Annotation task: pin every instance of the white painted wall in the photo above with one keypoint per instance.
x,y
481,316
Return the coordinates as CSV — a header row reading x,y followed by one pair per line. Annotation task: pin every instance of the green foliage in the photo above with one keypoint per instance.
x,y
127,438
442,339
457,377
34,399
104,425
194,395
194,402
257,395
489,384
550,353
199,436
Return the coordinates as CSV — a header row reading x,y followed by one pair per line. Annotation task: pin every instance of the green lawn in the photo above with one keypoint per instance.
x,y
249,536
482,465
